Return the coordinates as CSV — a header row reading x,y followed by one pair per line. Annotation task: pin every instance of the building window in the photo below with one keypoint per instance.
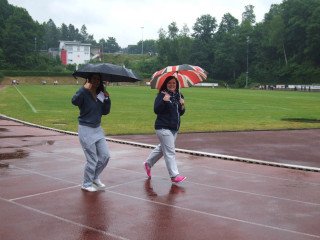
x,y
69,48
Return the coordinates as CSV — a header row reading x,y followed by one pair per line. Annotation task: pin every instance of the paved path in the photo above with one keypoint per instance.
x,y
40,196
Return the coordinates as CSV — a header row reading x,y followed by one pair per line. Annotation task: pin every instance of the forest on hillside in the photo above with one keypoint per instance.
x,y
283,48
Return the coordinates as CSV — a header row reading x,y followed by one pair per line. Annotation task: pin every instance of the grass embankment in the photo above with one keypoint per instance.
x,y
132,109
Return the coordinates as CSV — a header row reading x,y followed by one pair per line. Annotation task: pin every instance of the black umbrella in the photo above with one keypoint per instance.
x,y
109,72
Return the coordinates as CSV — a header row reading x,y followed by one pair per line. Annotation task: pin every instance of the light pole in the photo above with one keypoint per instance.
x,y
142,41
247,75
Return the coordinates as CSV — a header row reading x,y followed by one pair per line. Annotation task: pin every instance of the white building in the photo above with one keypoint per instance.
x,y
73,52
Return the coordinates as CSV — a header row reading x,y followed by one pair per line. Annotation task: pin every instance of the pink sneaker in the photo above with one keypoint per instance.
x,y
147,168
178,179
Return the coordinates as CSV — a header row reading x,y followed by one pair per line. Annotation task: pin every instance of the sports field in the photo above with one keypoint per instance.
x,y
132,108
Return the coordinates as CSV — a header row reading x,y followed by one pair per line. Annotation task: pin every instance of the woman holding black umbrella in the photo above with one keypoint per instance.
x,y
93,102
169,106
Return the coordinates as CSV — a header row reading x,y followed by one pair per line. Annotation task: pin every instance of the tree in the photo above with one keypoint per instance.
x,y
275,34
248,15
149,46
225,64
162,43
184,45
84,36
6,11
19,37
64,33
73,33
296,16
313,37
51,35
111,45
173,30
228,24
204,28
204,44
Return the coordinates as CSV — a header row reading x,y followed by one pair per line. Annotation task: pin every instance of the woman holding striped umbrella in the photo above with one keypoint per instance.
x,y
169,106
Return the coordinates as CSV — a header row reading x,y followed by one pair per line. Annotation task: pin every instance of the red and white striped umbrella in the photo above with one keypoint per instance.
x,y
186,74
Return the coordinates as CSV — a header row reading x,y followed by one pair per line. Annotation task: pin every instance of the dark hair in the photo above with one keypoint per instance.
x,y
101,86
164,85
93,74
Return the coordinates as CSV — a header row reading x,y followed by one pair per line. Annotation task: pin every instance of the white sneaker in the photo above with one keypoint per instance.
x,y
89,189
98,183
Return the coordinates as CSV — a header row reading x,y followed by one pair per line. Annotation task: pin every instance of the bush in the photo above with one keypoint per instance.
x,y
241,81
14,73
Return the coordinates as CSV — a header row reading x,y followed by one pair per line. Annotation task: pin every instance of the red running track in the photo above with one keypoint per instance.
x,y
40,196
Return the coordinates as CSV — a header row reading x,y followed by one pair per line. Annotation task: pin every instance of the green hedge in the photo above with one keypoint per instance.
x,y
32,73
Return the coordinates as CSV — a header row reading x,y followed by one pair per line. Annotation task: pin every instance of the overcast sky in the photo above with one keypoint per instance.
x,y
124,19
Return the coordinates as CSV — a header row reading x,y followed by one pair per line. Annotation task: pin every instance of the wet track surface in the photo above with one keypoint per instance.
x,y
40,196
300,147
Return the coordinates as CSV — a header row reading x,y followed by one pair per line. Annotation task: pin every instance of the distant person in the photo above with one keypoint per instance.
x,y
169,106
93,102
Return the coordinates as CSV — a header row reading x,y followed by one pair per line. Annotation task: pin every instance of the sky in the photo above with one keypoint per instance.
x,y
130,21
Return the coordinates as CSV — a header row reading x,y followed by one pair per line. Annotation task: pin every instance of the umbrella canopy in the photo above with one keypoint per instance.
x,y
187,75
109,72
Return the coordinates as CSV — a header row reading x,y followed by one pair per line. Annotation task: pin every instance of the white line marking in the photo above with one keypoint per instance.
x,y
211,168
218,216
65,220
41,174
255,194
43,193
259,175
210,186
27,101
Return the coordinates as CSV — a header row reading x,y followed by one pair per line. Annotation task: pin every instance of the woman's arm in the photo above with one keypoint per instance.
x,y
182,107
159,104
106,106
77,99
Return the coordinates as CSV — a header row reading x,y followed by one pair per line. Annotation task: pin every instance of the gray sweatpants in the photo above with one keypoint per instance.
x,y
166,148
96,151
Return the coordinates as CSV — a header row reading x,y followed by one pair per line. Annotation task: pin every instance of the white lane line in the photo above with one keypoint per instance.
x,y
65,220
216,215
259,175
211,168
42,174
206,185
66,188
254,194
27,101
43,193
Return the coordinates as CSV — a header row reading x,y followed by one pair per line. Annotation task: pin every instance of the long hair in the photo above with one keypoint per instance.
x,y
164,85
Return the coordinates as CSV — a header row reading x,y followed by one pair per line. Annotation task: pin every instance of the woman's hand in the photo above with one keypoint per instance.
x,y
166,97
106,94
182,103
87,85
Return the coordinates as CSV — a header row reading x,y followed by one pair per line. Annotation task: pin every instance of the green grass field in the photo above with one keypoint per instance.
x,y
132,109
